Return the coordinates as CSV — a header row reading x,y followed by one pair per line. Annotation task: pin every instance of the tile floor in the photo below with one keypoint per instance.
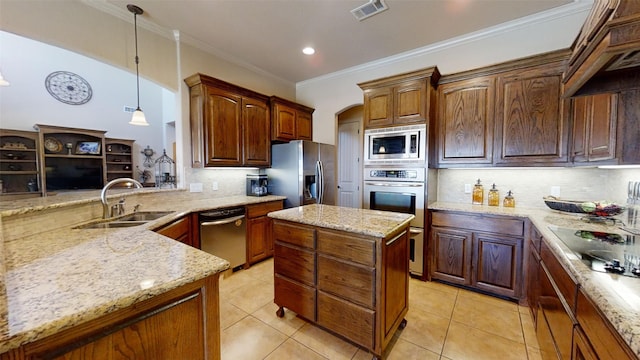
x,y
444,323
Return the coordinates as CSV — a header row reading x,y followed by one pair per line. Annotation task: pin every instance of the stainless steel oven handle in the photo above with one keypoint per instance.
x,y
395,185
391,241
415,231
223,221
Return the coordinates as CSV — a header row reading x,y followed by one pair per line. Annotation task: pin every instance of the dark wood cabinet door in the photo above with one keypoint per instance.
x,y
284,124
594,127
258,234
531,124
498,264
304,125
222,128
395,262
257,129
179,230
465,122
378,107
451,255
410,103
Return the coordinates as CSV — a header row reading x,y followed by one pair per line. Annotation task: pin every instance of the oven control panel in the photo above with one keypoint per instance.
x,y
396,174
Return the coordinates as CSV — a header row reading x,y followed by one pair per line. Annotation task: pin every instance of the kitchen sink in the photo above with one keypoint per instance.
x,y
143,216
135,219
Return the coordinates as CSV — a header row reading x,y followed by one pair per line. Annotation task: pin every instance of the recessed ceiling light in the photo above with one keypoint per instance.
x,y
308,50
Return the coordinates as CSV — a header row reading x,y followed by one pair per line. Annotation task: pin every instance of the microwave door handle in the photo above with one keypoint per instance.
x,y
395,185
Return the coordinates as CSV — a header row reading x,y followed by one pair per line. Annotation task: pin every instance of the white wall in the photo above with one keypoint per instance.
x,y
26,64
541,33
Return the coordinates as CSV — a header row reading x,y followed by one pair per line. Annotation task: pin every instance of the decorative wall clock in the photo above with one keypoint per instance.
x,y
68,87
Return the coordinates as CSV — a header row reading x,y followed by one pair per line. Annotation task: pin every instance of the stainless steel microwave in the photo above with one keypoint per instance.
x,y
395,145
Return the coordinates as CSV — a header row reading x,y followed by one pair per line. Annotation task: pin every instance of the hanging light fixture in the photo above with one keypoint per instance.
x,y
138,116
3,82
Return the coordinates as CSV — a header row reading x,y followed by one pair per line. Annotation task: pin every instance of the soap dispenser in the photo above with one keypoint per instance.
x,y
494,196
478,194
509,201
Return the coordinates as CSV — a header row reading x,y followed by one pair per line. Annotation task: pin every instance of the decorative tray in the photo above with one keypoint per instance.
x,y
594,208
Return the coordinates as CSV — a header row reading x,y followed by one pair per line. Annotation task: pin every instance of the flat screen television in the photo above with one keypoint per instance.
x,y
73,174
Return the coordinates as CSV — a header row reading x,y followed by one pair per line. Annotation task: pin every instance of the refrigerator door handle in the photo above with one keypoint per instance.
x,y
320,182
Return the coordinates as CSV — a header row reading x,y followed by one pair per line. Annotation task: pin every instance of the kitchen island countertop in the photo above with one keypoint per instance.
x,y
360,221
63,277
618,297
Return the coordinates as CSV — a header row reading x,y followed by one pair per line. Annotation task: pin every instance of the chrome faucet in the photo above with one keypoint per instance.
x,y
106,211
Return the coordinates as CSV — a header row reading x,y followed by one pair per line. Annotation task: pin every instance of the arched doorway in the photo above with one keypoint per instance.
x,y
349,143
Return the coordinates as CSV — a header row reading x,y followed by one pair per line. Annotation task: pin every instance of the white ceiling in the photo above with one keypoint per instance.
x,y
270,34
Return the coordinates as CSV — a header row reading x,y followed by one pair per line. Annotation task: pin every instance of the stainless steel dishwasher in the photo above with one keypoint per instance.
x,y
223,234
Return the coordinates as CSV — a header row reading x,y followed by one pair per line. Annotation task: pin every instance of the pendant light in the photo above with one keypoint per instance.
x,y
138,116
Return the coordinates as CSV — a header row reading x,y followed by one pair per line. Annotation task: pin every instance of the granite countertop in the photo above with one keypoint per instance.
x,y
361,221
60,278
618,297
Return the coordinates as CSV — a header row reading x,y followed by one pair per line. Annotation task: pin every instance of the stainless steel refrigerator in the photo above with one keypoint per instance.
x,y
304,172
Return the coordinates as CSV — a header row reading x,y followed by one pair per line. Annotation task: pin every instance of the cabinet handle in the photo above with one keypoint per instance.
x,y
391,241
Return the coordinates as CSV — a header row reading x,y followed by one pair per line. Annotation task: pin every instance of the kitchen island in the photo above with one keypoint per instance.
x,y
344,269
91,292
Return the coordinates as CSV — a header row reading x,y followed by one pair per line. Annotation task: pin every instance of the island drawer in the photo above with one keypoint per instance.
x,y
490,224
297,297
294,263
347,280
347,319
294,234
352,247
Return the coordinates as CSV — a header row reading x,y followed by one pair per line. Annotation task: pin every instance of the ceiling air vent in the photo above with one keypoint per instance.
x,y
369,9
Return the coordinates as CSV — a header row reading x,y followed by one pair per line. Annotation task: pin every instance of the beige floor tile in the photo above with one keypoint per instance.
x,y
490,300
529,331
292,349
464,342
230,314
487,316
251,296
262,270
533,353
362,355
438,286
324,343
431,300
404,350
232,281
287,325
425,329
249,339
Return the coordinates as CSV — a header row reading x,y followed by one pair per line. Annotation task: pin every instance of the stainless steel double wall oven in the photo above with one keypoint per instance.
x,y
395,179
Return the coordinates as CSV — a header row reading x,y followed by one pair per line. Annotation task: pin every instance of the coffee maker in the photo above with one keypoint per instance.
x,y
257,185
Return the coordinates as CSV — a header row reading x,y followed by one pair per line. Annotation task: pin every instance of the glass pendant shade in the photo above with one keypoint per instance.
x,y
138,118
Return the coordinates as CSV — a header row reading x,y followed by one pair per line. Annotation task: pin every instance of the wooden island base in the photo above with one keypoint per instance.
x,y
352,284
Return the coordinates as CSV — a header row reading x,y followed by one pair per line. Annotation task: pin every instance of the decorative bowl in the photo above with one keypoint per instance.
x,y
594,208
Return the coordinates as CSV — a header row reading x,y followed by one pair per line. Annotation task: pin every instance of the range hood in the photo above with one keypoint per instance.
x,y
606,53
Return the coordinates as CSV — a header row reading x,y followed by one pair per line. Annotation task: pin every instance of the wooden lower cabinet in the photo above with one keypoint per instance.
x,y
185,230
477,251
183,323
259,239
568,323
355,286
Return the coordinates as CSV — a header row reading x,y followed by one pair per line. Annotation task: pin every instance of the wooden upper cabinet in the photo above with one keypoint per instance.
x,y
403,99
465,121
230,125
531,117
594,127
257,127
291,121
222,114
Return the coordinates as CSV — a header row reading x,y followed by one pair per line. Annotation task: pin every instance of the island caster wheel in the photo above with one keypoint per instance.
x,y
280,312
403,324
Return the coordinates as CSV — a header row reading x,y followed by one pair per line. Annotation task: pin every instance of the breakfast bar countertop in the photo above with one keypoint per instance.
x,y
361,221
618,297
62,277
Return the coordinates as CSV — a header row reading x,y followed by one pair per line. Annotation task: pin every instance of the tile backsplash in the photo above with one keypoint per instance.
x,y
530,185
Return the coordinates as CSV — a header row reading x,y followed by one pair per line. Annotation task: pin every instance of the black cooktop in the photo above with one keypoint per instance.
x,y
611,252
